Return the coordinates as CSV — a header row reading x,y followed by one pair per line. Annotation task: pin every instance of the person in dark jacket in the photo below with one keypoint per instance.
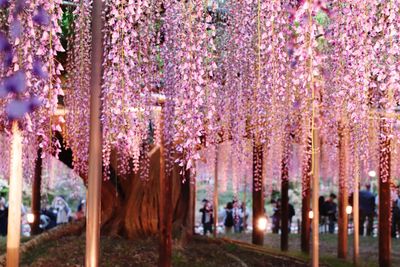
x,y
330,207
291,215
367,209
3,216
207,218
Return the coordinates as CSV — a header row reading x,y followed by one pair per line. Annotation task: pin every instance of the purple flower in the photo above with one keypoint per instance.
x,y
3,91
19,6
8,58
3,3
16,83
16,29
41,17
38,70
5,45
34,103
17,109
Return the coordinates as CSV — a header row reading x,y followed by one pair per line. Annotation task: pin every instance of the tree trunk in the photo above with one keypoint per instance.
x,y
285,196
166,209
285,215
36,184
384,230
215,193
258,196
343,195
305,201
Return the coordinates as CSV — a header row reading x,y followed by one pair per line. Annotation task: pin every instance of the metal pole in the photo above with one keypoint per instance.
x,y
95,144
15,198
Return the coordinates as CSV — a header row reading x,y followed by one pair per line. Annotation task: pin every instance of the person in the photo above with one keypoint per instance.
x,y
228,218
292,213
245,216
3,216
322,213
331,208
80,211
276,216
207,218
237,217
367,209
63,210
396,214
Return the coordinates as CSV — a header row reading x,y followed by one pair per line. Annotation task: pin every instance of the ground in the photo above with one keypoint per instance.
x,y
328,248
202,252
69,251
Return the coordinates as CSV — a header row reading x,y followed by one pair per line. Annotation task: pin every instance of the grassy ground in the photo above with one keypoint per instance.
x,y
69,251
328,248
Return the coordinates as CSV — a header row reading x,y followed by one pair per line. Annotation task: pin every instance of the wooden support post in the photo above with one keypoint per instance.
x,y
285,197
384,230
356,213
14,198
95,143
343,195
36,195
245,205
315,197
258,193
192,206
215,195
305,201
166,210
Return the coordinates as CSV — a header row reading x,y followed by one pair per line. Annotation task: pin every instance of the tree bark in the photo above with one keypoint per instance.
x,y
36,195
285,197
343,194
305,201
215,195
258,193
285,215
384,230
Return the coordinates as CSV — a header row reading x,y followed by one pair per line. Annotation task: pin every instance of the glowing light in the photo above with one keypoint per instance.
x,y
349,209
372,173
311,214
30,217
262,224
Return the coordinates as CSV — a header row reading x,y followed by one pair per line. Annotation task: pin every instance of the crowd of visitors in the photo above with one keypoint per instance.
x,y
234,217
52,215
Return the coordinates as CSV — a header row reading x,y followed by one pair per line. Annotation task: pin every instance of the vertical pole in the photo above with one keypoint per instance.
x,y
384,194
165,248
15,198
343,195
305,201
245,205
315,196
37,181
258,193
95,143
356,214
192,205
215,195
285,197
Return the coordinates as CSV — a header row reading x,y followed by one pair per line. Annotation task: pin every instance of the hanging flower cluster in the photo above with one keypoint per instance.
x,y
29,43
130,65
78,91
188,75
